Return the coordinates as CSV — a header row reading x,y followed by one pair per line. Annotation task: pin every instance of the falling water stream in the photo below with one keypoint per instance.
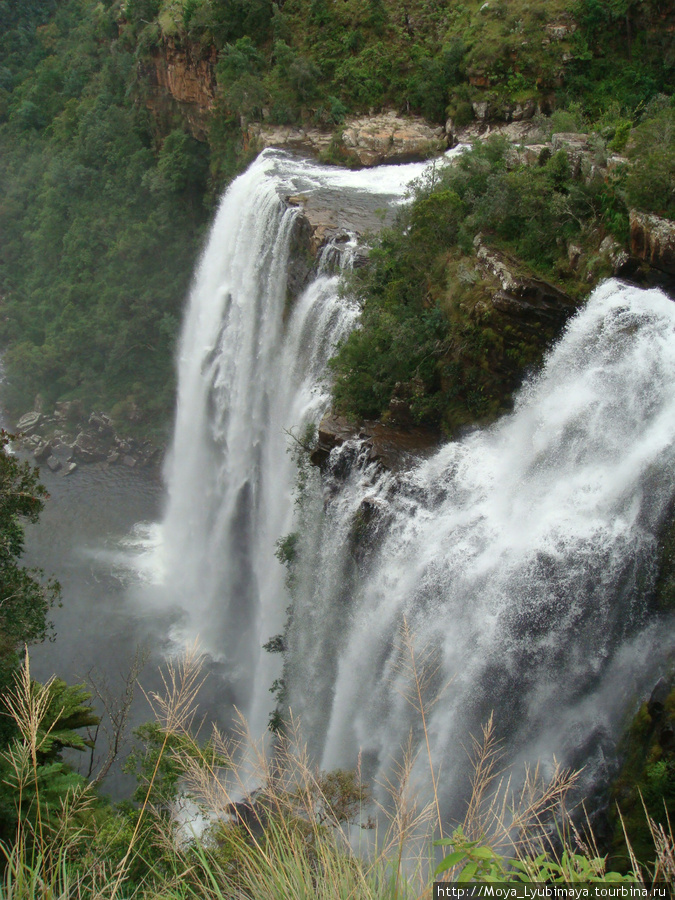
x,y
250,371
521,558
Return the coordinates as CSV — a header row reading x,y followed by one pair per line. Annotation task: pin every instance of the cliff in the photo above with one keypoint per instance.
x,y
181,78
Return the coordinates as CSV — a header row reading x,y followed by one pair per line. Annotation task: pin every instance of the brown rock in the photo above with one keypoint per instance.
x,y
393,447
652,239
372,140
523,296
182,76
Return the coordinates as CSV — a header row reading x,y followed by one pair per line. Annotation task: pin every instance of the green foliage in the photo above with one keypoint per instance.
x,y
476,861
161,758
287,548
68,711
645,784
100,222
35,782
25,597
430,334
650,184
103,204
276,644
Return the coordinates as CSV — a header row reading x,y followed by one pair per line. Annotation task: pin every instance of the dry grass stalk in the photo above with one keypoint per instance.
x,y
175,711
421,672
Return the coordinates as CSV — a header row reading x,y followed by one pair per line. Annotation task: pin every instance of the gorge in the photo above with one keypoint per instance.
x,y
522,556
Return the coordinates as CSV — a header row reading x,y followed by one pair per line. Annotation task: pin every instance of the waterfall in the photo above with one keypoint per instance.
x,y
522,557
249,371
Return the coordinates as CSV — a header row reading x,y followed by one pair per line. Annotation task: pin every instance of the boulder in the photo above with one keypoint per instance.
x,y
652,240
28,423
89,448
612,250
523,296
43,451
100,424
54,464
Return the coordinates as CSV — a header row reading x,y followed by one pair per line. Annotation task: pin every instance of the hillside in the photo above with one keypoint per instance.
x,y
122,122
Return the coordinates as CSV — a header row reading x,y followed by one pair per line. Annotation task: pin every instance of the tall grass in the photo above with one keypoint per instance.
x,y
301,833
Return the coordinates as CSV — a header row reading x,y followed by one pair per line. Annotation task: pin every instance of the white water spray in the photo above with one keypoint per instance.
x,y
522,556
248,372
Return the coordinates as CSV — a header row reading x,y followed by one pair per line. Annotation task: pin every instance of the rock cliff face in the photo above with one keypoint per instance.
x,y
652,240
528,299
182,78
368,140
392,446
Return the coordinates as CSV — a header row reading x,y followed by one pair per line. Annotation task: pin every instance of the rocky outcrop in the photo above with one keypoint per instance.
x,y
393,447
652,240
391,138
64,440
182,77
528,299
368,140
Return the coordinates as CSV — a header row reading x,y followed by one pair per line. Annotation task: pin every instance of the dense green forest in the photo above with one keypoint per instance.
x,y
105,198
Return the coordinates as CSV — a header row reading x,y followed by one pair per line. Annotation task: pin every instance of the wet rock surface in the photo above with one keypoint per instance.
x,y
394,447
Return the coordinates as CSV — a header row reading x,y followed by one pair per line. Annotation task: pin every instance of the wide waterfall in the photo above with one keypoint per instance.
x,y
520,558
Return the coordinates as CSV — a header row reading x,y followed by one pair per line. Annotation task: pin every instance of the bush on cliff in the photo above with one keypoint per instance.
x,y
430,333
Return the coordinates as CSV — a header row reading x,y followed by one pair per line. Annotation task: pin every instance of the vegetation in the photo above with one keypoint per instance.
x,y
430,333
290,838
106,189
101,217
646,780
24,593
25,599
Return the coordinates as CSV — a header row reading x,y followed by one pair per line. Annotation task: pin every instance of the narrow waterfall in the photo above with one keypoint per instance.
x,y
522,557
248,372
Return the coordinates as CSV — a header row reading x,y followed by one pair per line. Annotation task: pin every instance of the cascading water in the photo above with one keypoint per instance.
x,y
248,371
521,557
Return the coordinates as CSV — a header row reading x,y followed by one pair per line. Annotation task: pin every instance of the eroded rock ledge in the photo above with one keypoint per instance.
x,y
368,140
394,447
652,240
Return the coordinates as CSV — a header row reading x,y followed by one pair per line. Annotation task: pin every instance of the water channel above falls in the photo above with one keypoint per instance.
x,y
522,556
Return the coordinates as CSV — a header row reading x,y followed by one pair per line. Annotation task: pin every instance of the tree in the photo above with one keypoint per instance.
x,y
25,596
